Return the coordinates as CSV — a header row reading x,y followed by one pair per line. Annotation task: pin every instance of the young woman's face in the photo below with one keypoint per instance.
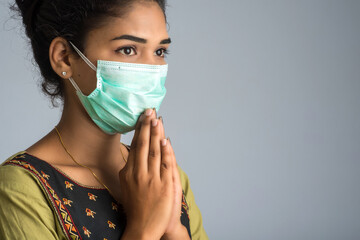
x,y
138,37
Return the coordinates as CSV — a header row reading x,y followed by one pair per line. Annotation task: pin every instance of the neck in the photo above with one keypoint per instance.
x,y
86,142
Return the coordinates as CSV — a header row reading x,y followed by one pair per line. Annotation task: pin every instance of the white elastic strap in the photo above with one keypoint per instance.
x,y
74,84
83,57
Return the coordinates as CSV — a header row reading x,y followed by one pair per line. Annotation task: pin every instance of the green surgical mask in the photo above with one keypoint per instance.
x,y
123,92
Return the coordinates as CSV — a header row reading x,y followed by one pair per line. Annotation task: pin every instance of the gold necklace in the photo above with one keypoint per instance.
x,y
96,177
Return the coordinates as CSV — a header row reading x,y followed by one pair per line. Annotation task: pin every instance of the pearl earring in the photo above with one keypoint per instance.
x,y
64,74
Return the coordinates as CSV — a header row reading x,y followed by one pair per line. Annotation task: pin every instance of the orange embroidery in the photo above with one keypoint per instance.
x,y
89,212
29,166
68,225
86,232
69,185
45,175
185,206
67,202
111,225
114,206
92,196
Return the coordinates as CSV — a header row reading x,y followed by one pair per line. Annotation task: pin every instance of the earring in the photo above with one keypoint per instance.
x,y
63,73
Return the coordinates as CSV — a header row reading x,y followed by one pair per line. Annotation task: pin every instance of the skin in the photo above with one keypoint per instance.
x,y
148,185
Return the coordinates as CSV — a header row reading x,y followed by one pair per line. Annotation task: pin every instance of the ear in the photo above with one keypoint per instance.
x,y
59,55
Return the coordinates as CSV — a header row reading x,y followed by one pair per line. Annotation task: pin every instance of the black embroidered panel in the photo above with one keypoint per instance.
x,y
84,212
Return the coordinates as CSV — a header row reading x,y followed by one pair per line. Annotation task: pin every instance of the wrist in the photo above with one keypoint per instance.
x,y
179,232
138,234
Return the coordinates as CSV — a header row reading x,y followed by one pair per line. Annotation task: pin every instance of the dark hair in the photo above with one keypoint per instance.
x,y
45,20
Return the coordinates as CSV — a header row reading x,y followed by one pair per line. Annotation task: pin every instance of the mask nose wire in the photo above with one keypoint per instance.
x,y
83,57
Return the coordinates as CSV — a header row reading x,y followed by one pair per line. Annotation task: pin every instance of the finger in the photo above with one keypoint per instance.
x,y
154,109
138,127
132,153
143,143
176,175
162,134
166,162
176,183
155,148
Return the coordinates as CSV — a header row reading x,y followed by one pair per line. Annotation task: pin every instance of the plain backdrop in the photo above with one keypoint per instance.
x,y
262,107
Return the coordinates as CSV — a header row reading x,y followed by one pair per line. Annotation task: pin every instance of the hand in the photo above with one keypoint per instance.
x,y
175,229
146,181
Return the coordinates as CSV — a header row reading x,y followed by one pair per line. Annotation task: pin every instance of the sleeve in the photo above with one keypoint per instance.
x,y
24,210
196,224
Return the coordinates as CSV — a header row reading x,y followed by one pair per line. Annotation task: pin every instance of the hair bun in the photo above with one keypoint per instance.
x,y
27,9
25,5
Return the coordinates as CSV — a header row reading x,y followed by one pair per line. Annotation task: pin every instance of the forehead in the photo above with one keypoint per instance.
x,y
145,20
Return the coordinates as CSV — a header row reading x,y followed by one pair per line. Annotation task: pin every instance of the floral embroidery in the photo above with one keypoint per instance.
x,y
111,225
86,232
69,185
185,206
92,196
89,212
114,206
67,202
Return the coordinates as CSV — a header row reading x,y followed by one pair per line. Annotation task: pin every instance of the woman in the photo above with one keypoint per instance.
x,y
105,60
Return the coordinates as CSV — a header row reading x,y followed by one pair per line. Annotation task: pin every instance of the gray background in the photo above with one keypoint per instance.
x,y
262,109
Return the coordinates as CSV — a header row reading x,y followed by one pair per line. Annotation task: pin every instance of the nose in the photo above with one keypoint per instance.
x,y
147,58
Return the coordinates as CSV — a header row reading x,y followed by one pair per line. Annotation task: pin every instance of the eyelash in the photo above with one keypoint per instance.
x,y
165,51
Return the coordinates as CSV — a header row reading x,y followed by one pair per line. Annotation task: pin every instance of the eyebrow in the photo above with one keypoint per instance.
x,y
139,40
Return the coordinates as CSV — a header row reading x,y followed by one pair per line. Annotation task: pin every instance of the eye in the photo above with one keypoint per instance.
x,y
161,52
129,51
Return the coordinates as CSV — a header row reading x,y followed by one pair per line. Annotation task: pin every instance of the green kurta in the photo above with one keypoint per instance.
x,y
26,211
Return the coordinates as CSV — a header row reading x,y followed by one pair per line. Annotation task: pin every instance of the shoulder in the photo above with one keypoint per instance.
x,y
16,179
12,174
27,210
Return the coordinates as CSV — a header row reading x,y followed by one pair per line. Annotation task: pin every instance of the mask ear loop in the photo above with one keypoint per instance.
x,y
85,60
75,85
83,57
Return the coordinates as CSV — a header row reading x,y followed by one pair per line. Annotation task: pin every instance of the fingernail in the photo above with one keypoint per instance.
x,y
148,112
154,122
161,119
163,142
